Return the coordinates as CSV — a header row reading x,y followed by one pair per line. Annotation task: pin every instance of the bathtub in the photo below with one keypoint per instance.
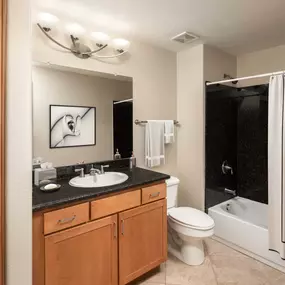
x,y
243,225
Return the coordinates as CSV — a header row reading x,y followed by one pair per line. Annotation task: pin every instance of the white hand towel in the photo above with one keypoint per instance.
x,y
169,131
154,143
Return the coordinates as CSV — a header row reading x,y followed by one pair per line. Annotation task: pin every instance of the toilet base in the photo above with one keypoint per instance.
x,y
191,253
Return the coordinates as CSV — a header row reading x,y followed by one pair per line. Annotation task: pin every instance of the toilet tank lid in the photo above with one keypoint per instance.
x,y
172,181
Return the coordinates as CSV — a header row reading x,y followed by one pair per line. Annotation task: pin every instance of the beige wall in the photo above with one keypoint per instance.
x,y
264,61
19,146
154,84
190,113
195,66
217,63
52,86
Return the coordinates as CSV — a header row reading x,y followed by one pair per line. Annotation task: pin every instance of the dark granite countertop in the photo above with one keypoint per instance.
x,y
68,194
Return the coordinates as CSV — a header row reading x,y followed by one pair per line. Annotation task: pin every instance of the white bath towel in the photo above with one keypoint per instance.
x,y
154,143
169,131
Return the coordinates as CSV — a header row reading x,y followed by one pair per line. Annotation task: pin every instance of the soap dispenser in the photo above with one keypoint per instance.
x,y
117,154
133,161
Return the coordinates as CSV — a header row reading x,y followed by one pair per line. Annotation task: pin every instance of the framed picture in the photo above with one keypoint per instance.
x,y
72,126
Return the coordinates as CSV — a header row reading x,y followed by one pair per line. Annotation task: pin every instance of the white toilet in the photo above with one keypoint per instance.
x,y
187,227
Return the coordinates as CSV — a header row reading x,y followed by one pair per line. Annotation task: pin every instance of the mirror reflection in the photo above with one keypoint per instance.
x,y
80,116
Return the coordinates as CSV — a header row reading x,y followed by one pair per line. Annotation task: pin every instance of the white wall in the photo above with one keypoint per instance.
x,y
52,86
19,146
264,61
154,84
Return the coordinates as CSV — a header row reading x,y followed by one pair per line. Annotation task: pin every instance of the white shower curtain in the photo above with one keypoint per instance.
x,y
276,164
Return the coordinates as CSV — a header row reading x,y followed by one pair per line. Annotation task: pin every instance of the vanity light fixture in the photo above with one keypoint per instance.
x,y
46,22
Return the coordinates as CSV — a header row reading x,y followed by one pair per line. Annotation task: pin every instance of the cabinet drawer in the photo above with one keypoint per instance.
x,y
115,204
66,218
153,193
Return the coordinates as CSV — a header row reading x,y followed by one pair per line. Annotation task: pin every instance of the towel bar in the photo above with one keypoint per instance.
x,y
138,122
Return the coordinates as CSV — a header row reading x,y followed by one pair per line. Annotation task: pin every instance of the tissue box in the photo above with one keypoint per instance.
x,y
43,174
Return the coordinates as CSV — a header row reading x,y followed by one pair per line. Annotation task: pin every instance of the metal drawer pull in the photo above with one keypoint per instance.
x,y
154,195
122,227
115,230
66,220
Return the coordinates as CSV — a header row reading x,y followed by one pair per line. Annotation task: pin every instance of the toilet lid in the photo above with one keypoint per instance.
x,y
191,217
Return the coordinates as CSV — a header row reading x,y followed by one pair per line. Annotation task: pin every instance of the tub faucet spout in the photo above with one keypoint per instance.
x,y
231,192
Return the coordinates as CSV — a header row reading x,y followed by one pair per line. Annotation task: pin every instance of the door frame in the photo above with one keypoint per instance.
x,y
3,59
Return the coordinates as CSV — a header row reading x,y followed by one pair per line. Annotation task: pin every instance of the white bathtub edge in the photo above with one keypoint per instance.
x,y
250,254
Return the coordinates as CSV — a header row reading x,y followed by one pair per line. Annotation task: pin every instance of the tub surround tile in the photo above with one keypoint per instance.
x,y
236,131
68,194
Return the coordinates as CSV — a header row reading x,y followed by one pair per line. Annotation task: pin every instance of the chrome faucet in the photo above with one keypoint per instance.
x,y
102,168
81,170
94,171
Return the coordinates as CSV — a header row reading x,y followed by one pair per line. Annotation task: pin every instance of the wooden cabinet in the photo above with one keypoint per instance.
x,y
153,193
75,245
114,204
84,255
66,218
142,240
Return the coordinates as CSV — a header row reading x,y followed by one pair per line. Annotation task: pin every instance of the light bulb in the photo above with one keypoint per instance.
x,y
47,20
100,38
75,29
120,44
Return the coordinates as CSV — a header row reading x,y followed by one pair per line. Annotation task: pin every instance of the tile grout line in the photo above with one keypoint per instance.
x,y
209,256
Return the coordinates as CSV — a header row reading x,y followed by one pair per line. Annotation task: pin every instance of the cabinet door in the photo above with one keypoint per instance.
x,y
85,255
143,240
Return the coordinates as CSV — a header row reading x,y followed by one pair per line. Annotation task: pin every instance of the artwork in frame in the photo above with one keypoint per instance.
x,y
72,126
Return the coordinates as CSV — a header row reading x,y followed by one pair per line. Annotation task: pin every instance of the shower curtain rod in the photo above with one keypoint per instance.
x,y
245,78
123,101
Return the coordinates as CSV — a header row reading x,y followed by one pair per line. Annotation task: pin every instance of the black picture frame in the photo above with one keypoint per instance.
x,y
70,106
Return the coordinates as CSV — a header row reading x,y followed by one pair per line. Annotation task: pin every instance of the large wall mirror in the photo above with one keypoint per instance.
x,y
80,117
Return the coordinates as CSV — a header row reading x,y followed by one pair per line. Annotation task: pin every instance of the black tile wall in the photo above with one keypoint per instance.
x,y
252,148
236,131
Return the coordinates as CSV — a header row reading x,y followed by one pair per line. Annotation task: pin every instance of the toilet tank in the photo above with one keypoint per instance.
x,y
172,192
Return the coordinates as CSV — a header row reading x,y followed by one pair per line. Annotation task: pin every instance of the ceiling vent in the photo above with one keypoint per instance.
x,y
185,38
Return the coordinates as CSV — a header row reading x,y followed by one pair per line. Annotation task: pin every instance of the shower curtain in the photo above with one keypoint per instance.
x,y
276,164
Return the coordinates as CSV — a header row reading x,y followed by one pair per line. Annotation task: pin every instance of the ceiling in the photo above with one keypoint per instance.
x,y
235,26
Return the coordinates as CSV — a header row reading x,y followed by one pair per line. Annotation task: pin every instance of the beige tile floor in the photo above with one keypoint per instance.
x,y
222,266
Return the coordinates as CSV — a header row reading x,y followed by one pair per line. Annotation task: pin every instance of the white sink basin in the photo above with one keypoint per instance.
x,y
101,180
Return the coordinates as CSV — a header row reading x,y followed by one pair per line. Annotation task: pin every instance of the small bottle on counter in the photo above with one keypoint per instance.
x,y
117,154
133,161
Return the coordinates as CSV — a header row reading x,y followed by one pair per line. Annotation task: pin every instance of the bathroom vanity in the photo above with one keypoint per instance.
x,y
100,236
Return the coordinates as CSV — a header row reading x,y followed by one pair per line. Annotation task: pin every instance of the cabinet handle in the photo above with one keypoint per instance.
x,y
122,227
154,195
115,230
66,220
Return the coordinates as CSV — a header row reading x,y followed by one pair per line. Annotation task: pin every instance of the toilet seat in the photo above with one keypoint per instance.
x,y
191,218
